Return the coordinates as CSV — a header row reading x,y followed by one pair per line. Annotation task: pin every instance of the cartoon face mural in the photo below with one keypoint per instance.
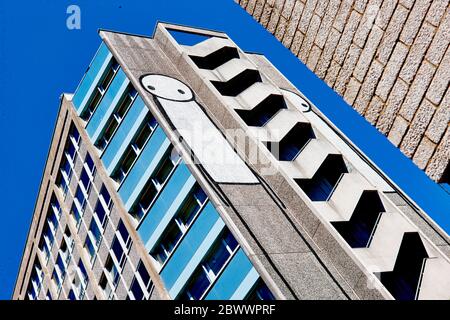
x,y
167,88
204,139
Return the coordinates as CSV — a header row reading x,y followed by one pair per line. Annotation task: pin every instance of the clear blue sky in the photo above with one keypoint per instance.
x,y
40,58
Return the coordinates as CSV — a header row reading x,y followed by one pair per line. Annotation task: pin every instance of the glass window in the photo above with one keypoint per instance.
x,y
163,171
197,287
90,164
107,134
134,149
83,271
56,279
100,213
208,270
101,89
145,200
55,206
136,290
144,133
167,243
74,135
145,277
52,220
95,232
107,290
72,295
75,213
95,100
90,247
69,240
79,196
107,79
71,151
179,225
104,195
116,118
44,248
85,180
118,252
64,175
113,270
48,237
124,234
62,184
219,255
125,165
124,105
191,206
142,137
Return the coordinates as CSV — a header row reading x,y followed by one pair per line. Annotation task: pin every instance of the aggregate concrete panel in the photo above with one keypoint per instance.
x,y
306,277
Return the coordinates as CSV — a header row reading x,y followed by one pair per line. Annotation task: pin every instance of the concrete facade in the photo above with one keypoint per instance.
x,y
304,236
388,59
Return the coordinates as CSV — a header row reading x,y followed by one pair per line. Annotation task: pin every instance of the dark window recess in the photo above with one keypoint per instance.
x,y
404,280
320,186
216,59
145,199
137,290
239,83
292,143
358,230
263,112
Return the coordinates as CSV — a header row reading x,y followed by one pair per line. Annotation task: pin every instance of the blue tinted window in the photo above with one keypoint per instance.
x,y
124,233
90,163
137,290
83,270
60,264
72,295
198,286
90,247
95,231
106,197
75,213
100,212
85,180
79,195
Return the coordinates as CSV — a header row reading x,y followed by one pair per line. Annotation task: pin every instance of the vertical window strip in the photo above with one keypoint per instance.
x,y
211,267
178,227
100,90
134,149
155,184
116,118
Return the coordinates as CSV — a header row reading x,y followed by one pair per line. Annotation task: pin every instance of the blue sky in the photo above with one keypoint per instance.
x,y
40,58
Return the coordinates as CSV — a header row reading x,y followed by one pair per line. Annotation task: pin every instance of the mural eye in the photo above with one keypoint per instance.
x,y
150,87
180,91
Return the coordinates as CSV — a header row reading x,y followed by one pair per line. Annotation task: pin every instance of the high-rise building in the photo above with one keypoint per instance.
x,y
185,168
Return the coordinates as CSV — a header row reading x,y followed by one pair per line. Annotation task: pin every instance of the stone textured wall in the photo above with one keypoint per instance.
x,y
389,59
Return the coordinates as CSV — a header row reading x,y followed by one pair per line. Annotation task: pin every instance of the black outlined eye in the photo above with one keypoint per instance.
x,y
150,87
180,91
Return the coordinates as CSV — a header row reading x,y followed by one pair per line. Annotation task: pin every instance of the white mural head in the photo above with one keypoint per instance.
x,y
297,100
166,87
